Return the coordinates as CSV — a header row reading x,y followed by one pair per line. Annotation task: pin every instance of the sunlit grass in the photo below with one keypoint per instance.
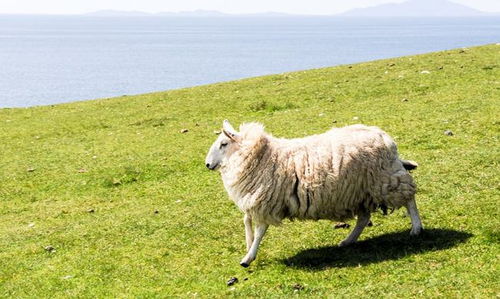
x,y
124,200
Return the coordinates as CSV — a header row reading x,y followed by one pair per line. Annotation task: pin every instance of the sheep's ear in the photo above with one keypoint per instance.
x,y
229,131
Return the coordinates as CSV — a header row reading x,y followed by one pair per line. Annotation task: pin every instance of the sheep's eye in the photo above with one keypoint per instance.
x,y
223,144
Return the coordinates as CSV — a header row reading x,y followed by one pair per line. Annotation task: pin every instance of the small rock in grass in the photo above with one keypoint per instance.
x,y
50,248
404,100
157,212
31,225
448,133
298,287
425,72
245,279
321,114
30,169
82,170
441,67
355,118
90,211
334,121
184,130
391,64
232,281
67,277
341,225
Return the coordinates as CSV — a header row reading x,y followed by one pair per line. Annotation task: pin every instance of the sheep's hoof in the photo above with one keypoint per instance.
x,y
244,265
345,243
416,231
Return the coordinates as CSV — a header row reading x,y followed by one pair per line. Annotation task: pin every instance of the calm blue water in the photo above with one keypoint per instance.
x,y
47,60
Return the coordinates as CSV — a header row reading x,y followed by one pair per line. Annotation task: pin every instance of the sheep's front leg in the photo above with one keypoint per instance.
x,y
247,220
416,224
362,221
260,230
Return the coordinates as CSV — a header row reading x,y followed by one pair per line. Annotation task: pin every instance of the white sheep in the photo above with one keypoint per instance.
x,y
345,172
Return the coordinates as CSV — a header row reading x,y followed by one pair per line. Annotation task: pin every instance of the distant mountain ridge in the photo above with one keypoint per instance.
x,y
193,13
416,8
117,13
410,8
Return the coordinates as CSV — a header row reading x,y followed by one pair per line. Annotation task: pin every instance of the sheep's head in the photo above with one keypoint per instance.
x,y
225,145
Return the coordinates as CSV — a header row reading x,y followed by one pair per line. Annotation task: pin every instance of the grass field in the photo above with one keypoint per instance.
x,y
108,198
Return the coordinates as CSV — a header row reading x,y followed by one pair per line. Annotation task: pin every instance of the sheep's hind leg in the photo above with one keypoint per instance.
x,y
416,224
260,230
361,222
247,220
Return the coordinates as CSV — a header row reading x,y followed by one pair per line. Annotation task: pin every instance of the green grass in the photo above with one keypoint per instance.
x,y
162,224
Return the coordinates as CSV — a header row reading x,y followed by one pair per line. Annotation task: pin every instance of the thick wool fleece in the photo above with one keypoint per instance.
x,y
328,176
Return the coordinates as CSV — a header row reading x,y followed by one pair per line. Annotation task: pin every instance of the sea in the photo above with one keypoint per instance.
x,y
46,60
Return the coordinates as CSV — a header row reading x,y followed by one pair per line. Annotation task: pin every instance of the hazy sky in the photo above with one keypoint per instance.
x,y
229,6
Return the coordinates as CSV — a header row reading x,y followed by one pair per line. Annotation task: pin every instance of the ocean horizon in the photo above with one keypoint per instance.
x,y
48,60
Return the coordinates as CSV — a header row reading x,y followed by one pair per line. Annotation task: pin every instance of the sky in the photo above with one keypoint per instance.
x,y
319,7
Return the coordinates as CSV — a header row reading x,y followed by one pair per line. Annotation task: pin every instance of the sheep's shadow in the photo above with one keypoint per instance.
x,y
390,246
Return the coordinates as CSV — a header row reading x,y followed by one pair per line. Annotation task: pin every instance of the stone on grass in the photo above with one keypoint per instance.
x,y
341,225
448,133
50,248
184,130
298,287
232,281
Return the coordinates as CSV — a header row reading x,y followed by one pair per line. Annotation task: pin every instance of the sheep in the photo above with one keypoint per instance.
x,y
337,175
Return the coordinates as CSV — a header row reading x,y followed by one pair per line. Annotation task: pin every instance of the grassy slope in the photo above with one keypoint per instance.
x,y
137,161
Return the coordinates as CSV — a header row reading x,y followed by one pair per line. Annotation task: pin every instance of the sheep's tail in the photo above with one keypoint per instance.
x,y
409,165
